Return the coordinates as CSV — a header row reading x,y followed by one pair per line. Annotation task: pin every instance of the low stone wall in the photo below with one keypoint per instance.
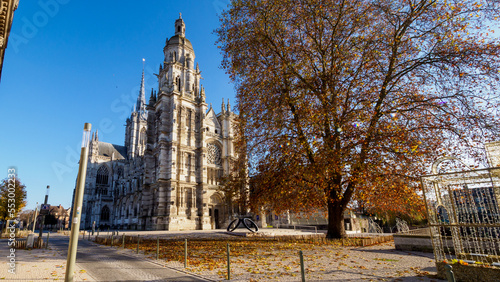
x,y
470,273
366,241
306,238
421,243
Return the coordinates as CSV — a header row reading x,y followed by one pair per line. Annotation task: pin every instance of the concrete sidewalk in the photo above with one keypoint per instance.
x,y
37,265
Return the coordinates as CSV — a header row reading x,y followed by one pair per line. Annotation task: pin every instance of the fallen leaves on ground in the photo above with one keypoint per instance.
x,y
266,260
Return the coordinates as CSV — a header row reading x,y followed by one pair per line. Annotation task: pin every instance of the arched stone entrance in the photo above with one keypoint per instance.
x,y
217,211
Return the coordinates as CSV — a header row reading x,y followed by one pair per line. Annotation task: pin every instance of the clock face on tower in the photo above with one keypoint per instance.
x,y
214,154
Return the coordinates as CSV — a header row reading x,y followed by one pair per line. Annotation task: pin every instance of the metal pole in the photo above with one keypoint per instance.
x,y
47,244
157,247
34,222
449,273
77,205
185,253
302,272
43,216
138,239
228,264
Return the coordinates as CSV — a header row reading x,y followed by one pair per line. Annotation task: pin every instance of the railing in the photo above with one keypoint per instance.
x,y
420,231
297,226
354,235
306,226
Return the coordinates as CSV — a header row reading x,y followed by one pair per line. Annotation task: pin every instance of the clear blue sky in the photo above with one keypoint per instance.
x,y
69,62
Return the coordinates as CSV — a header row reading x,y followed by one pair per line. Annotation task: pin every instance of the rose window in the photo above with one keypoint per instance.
x,y
214,154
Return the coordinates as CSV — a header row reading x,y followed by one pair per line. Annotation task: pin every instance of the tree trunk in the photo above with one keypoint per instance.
x,y
336,228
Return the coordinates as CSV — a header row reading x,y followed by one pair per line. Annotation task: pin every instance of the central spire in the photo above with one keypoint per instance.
x,y
180,27
141,100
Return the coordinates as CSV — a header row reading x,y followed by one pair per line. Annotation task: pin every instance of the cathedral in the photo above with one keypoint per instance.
x,y
167,174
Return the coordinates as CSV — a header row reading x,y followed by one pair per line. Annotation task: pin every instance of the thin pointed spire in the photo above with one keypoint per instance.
x,y
228,106
223,107
202,91
96,135
152,98
141,100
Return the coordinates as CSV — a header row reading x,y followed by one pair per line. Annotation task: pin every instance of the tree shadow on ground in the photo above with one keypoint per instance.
x,y
395,252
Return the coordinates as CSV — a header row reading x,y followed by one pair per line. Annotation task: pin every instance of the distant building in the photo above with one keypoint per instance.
x,y
57,218
166,176
61,215
7,8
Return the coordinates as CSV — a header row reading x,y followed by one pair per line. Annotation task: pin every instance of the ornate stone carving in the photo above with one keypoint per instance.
x,y
214,154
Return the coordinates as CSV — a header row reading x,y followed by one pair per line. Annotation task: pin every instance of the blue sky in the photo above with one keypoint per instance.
x,y
69,62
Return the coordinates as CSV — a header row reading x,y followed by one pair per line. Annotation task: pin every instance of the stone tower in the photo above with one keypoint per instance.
x,y
177,148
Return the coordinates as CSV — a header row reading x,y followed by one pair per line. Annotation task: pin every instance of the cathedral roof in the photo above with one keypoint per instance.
x,y
180,40
107,150
211,117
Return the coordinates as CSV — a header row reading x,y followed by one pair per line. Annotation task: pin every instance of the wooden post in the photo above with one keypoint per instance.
x,y
449,273
138,239
47,244
157,247
228,264
185,252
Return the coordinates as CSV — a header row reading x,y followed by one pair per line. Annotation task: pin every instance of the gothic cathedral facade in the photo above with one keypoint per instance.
x,y
167,175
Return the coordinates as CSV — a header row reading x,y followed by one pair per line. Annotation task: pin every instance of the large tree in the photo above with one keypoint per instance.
x,y
346,101
12,198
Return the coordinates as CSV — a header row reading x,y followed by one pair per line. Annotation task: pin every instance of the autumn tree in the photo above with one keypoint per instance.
x,y
27,217
347,101
12,198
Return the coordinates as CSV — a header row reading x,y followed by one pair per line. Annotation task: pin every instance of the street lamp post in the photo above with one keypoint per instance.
x,y
77,205
43,216
34,219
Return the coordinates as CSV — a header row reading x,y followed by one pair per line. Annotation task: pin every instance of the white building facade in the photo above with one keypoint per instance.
x,y
167,175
